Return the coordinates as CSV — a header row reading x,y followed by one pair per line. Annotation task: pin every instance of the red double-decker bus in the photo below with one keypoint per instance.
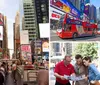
x,y
72,27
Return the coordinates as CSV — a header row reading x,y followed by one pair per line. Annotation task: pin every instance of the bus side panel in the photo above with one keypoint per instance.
x,y
69,33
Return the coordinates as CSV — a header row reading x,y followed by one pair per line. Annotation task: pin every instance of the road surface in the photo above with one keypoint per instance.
x,y
54,37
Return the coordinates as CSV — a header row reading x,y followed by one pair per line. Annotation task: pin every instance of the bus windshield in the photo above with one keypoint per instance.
x,y
62,17
59,25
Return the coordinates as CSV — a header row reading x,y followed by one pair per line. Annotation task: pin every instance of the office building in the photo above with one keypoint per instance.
x,y
99,13
93,14
35,12
77,4
30,23
6,53
16,29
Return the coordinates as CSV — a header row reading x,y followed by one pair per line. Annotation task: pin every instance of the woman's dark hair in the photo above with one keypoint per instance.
x,y
87,58
78,56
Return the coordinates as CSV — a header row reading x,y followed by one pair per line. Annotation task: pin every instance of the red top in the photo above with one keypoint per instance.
x,y
61,69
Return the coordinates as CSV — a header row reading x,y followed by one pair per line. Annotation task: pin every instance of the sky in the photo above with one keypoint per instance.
x,y
9,8
95,3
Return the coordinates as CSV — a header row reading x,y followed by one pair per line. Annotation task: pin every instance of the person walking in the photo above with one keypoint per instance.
x,y
63,68
80,70
43,77
93,73
14,67
2,75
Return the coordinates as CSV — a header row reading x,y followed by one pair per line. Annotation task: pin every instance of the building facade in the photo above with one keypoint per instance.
x,y
35,12
93,13
16,30
30,23
6,53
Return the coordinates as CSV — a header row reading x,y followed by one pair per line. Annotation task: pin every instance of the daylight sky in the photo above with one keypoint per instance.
x,y
9,9
95,3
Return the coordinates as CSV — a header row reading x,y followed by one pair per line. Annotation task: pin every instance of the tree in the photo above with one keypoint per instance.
x,y
86,49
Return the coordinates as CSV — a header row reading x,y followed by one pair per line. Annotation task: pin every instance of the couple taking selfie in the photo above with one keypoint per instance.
x,y
83,68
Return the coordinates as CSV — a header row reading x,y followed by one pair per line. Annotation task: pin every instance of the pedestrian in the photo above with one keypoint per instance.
x,y
43,77
14,67
80,70
93,73
64,68
2,74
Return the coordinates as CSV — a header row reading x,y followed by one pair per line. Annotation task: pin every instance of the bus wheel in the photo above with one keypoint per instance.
x,y
75,35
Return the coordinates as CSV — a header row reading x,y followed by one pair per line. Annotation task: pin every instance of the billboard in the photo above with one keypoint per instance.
x,y
56,13
87,1
45,46
73,9
44,29
26,52
1,33
87,10
82,5
38,47
1,19
24,37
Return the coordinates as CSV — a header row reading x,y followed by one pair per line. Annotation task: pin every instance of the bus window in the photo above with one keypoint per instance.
x,y
62,17
67,27
59,25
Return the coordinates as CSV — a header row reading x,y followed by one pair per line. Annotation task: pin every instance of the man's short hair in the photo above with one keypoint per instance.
x,y
78,56
67,56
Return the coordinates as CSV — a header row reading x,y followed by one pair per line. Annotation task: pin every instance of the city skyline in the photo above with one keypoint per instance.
x,y
9,9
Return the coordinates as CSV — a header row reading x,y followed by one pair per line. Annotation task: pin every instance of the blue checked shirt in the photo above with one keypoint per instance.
x,y
94,74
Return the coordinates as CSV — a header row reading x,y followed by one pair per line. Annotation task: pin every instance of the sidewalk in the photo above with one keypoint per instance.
x,y
51,82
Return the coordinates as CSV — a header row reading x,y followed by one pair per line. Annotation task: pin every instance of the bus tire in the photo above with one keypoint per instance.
x,y
75,35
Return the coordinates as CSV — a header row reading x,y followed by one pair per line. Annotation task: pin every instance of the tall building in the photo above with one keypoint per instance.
x,y
5,40
30,22
77,4
93,13
16,30
35,12
99,13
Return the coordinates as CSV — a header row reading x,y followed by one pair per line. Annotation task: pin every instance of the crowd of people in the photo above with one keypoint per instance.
x,y
84,70
4,71
5,68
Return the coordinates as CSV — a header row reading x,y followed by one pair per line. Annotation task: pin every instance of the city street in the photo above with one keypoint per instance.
x,y
54,37
9,80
